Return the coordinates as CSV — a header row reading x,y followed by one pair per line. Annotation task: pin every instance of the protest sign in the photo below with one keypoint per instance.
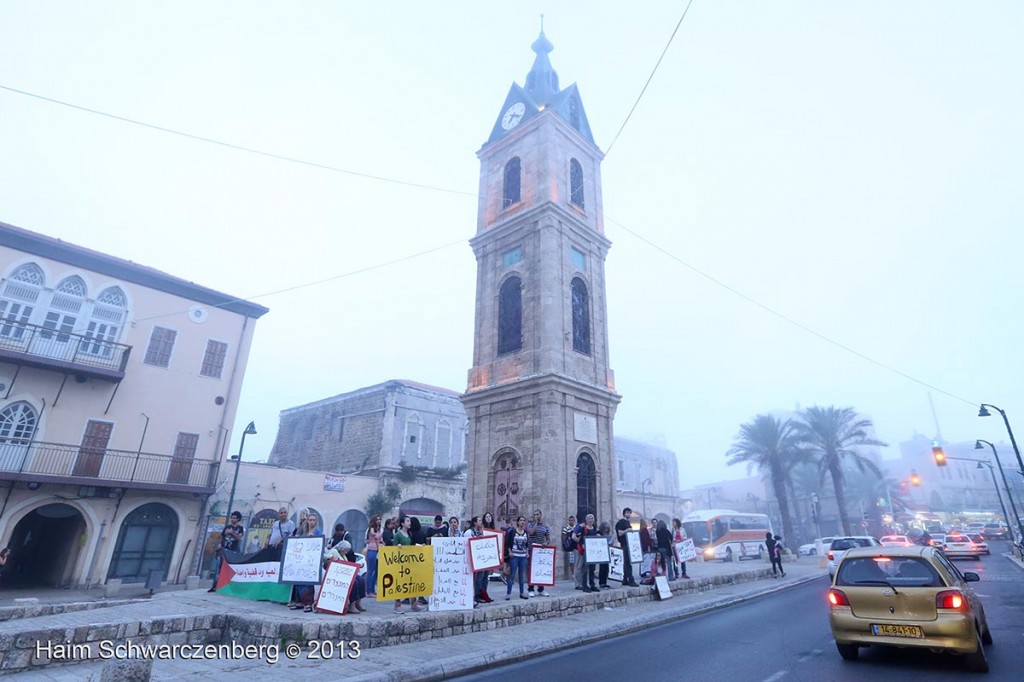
x,y
501,540
661,586
635,551
483,553
453,579
615,564
339,579
542,566
302,560
404,571
685,551
595,550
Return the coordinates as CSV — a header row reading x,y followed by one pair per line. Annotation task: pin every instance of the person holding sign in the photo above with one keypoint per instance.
x,y
403,536
308,528
622,526
480,596
679,535
517,549
359,584
584,572
664,546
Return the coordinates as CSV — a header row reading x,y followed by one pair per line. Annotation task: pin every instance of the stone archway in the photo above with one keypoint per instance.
x,y
45,546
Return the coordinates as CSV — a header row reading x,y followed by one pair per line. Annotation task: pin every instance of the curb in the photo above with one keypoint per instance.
x,y
477,662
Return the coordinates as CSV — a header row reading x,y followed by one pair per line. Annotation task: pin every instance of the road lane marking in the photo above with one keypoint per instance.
x,y
777,676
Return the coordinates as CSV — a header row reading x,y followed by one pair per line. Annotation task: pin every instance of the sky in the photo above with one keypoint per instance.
x,y
854,167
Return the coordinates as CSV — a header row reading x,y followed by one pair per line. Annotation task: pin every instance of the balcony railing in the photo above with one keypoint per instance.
x,y
76,465
46,347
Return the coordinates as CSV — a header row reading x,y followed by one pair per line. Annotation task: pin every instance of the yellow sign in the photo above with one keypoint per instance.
x,y
405,571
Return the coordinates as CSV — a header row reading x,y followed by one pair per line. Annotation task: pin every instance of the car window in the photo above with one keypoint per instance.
x,y
897,571
953,571
956,538
843,543
865,542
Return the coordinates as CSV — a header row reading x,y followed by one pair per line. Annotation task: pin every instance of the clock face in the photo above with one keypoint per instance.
x,y
513,116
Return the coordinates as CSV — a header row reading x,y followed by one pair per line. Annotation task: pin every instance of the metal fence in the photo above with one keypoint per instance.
x,y
87,349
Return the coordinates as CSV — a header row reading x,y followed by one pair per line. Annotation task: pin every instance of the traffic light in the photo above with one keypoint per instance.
x,y
939,455
915,479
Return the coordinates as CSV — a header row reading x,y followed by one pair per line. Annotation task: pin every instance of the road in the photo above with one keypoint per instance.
x,y
781,637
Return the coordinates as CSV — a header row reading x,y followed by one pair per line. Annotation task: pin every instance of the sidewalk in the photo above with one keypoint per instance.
x,y
438,658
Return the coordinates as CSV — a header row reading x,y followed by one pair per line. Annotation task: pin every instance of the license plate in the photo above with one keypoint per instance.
x,y
913,631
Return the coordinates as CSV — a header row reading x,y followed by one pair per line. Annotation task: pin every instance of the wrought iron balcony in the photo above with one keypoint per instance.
x,y
76,465
48,348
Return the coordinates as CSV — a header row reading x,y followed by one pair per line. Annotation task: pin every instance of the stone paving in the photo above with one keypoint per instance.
x,y
581,618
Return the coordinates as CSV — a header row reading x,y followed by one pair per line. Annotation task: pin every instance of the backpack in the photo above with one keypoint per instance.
x,y
568,544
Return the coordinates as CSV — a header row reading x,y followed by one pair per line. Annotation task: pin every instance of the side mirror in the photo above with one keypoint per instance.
x,y
971,577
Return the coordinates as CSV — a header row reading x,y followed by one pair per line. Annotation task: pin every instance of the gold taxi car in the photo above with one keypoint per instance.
x,y
907,597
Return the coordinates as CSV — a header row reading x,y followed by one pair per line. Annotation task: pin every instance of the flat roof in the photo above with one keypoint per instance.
x,y
56,249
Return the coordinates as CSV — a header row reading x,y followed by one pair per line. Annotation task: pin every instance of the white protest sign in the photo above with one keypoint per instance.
x,y
685,551
595,550
661,586
339,579
302,560
501,540
615,564
542,566
483,553
453,579
635,551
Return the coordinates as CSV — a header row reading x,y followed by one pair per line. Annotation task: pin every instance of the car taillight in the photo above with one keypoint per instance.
x,y
831,556
837,598
949,599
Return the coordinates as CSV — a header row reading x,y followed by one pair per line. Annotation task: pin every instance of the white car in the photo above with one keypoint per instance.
x,y
811,548
839,546
895,541
956,545
979,541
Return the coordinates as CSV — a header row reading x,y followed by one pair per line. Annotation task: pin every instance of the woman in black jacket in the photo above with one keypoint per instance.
x,y
664,536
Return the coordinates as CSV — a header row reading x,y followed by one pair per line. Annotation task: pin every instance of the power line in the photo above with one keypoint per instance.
x,y
314,283
238,147
785,317
649,78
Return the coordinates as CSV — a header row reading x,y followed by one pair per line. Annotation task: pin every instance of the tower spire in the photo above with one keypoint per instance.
x,y
542,81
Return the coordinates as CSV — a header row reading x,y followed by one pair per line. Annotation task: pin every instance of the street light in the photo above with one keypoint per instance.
x,y
1009,494
711,490
250,430
1013,441
643,495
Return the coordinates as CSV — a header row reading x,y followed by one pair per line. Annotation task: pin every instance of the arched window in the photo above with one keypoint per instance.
x,y
72,286
580,317
413,446
145,542
510,316
443,444
586,486
20,292
65,306
106,322
510,195
17,423
576,183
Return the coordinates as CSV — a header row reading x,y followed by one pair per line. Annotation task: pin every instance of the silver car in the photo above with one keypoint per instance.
x,y
842,543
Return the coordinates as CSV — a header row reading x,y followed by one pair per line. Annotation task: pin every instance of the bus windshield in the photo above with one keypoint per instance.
x,y
697,531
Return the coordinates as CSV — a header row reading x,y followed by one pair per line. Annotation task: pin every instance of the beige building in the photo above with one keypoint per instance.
x,y
540,396
118,390
647,480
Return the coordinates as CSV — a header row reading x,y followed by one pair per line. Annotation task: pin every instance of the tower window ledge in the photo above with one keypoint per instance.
x,y
509,208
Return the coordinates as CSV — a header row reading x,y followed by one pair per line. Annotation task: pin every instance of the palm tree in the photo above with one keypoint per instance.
x,y
770,445
834,433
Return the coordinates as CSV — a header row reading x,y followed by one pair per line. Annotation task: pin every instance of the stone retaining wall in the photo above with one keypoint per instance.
x,y
27,650
37,610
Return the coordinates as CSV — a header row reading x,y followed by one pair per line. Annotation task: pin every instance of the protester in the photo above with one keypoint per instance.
x,y
664,545
340,535
439,529
374,540
623,526
282,528
539,534
388,534
454,527
568,545
403,537
230,540
359,585
416,531
489,521
480,596
679,535
517,550
584,573
604,530
308,527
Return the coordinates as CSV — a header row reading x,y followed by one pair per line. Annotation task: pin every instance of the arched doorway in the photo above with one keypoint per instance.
x,y
507,487
356,523
145,542
45,546
423,507
586,486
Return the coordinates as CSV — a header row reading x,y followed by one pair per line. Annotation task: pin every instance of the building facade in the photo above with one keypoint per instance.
x,y
540,396
119,390
647,479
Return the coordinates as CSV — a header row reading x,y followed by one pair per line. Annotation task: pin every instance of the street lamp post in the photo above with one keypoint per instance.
x,y
1013,441
250,430
643,495
1006,484
710,490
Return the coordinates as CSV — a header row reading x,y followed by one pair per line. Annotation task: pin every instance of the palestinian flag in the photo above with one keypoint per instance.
x,y
252,576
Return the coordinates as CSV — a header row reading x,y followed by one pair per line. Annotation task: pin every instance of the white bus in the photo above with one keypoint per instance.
x,y
727,535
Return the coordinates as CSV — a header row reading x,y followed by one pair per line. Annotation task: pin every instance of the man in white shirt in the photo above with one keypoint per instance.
x,y
282,528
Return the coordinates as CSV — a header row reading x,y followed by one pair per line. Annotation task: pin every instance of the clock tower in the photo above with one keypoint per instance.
x,y
541,397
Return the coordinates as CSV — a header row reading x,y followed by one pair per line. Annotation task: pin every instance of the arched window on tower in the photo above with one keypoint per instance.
x,y
586,486
576,183
510,316
580,317
510,194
